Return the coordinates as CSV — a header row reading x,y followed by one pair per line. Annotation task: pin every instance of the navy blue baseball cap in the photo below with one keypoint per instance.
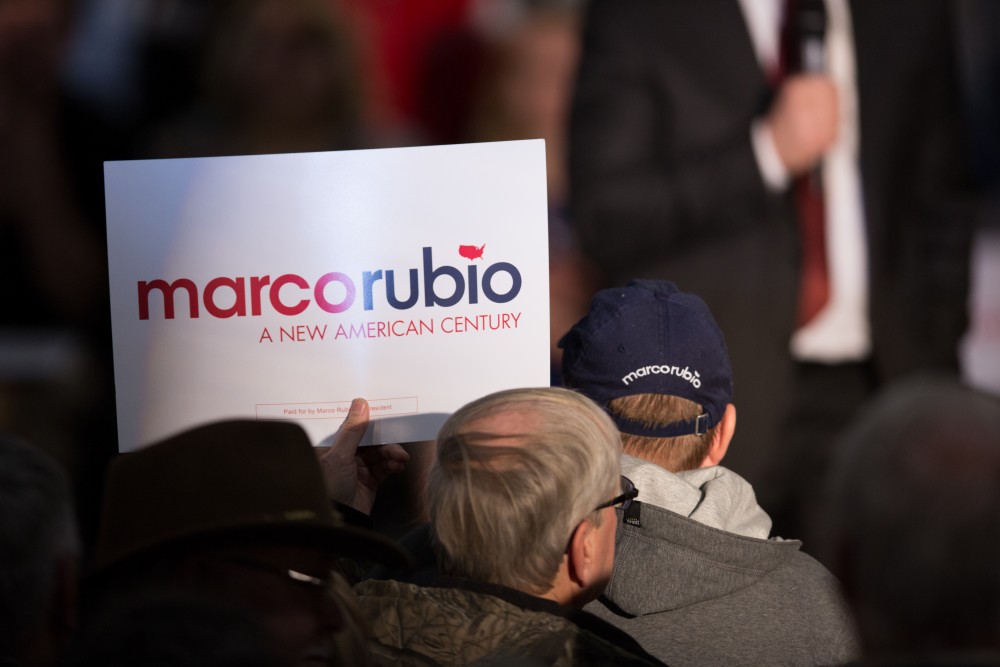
x,y
650,338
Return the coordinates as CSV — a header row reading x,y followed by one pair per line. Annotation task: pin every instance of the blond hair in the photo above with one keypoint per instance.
x,y
684,452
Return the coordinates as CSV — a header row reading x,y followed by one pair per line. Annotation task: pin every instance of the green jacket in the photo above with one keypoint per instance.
x,y
456,622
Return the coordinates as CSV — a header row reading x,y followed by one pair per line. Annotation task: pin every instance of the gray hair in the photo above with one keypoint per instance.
x,y
37,530
504,504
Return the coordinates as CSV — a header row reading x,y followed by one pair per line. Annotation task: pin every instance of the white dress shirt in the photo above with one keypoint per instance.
x,y
840,332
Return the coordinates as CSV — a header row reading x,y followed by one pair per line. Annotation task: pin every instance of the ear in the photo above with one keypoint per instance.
x,y
721,437
583,561
579,555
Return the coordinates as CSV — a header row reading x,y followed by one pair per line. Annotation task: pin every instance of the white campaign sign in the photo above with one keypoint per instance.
x,y
283,286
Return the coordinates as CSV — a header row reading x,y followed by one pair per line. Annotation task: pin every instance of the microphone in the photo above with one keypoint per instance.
x,y
810,23
810,18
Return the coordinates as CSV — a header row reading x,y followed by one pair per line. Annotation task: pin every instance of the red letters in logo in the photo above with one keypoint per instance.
x,y
290,294
471,251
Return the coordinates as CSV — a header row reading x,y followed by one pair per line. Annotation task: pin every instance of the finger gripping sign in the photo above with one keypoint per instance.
x,y
283,286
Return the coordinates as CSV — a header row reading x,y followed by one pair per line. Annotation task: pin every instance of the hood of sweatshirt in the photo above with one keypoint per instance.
x,y
715,496
692,536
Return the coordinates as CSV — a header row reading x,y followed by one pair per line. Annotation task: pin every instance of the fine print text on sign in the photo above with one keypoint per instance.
x,y
283,286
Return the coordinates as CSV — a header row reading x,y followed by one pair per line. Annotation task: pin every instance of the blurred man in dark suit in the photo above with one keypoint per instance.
x,y
703,153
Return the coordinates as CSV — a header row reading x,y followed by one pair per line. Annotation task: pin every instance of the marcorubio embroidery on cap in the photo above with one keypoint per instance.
x,y
684,373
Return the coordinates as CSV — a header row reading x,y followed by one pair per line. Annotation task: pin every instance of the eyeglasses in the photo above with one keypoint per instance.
x,y
624,499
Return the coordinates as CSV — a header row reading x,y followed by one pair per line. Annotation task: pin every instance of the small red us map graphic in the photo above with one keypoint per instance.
x,y
471,251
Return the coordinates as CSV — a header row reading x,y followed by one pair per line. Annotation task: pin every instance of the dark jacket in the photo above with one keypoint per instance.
x,y
432,619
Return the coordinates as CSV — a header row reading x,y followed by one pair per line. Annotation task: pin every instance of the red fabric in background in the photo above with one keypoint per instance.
x,y
399,37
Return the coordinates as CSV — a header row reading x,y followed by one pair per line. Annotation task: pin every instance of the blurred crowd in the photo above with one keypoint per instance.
x,y
85,81
89,81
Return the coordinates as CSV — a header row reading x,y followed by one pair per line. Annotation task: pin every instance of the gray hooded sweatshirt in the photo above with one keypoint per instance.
x,y
697,581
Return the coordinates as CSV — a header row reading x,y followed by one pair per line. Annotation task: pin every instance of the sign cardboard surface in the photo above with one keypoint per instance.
x,y
283,286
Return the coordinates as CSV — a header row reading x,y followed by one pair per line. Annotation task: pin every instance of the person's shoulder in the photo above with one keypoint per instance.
x,y
486,622
801,565
815,595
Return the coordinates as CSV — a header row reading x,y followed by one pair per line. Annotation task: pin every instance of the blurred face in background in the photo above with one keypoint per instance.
x,y
536,78
286,61
527,92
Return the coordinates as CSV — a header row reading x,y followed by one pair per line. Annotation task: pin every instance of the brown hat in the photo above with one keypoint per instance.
x,y
231,480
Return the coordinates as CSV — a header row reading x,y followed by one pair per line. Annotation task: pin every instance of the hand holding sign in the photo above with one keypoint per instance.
x,y
352,473
238,282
